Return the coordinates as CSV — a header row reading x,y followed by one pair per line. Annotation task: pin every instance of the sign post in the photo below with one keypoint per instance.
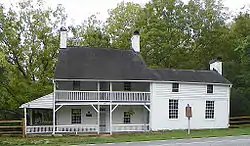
x,y
188,115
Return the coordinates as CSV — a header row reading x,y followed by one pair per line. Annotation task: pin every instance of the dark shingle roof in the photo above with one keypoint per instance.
x,y
114,64
96,63
205,76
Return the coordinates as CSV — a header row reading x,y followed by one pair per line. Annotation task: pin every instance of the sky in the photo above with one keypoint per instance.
x,y
80,10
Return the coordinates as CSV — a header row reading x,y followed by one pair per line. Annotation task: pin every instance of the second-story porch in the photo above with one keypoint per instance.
x,y
102,91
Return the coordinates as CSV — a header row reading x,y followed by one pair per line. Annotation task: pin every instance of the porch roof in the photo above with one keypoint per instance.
x,y
44,102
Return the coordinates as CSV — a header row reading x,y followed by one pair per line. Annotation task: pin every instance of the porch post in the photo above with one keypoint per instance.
x,y
150,114
25,120
31,122
98,106
110,118
110,109
54,110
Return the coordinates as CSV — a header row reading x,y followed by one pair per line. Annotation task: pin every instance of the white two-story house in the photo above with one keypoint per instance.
x,y
103,90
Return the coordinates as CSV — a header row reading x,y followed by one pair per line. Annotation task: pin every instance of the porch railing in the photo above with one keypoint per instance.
x,y
39,129
130,127
76,128
62,95
62,129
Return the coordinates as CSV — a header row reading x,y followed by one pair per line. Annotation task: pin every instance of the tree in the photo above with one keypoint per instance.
x,y
121,24
240,68
91,33
164,42
29,45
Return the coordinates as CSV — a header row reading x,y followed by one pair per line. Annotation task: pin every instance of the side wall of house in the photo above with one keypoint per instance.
x,y
195,95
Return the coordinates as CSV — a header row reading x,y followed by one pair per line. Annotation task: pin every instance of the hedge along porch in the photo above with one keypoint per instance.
x,y
86,117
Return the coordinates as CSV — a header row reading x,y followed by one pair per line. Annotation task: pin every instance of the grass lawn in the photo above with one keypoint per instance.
x,y
72,140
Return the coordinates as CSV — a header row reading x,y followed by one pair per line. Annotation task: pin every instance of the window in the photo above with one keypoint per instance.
x,y
76,116
76,85
209,113
104,86
173,109
210,89
175,87
126,118
127,86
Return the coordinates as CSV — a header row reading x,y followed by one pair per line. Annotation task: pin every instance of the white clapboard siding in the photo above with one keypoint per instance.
x,y
45,102
195,95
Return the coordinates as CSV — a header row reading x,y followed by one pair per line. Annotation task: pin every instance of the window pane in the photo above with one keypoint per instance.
x,y
173,109
76,85
209,112
127,86
209,88
76,116
126,118
175,87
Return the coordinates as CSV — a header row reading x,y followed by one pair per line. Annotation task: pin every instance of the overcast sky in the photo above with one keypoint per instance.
x,y
79,10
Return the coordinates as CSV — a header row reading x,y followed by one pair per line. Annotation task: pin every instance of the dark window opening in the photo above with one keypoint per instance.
x,y
76,116
175,87
127,86
76,85
126,118
209,113
210,89
173,109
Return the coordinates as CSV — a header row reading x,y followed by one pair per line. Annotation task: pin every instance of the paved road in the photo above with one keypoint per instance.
x,y
218,141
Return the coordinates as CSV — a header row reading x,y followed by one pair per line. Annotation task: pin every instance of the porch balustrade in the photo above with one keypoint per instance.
x,y
130,127
39,129
87,128
76,128
62,95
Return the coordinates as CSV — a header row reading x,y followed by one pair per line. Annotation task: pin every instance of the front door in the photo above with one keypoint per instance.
x,y
103,126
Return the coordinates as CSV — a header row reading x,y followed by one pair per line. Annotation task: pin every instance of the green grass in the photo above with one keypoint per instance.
x,y
72,140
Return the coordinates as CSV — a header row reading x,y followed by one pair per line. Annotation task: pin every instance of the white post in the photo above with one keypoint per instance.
x,y
110,109
31,122
111,89
54,110
25,120
150,99
98,106
110,120
188,125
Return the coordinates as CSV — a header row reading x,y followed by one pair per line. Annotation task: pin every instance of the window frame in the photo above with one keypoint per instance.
x,y
173,109
175,89
126,118
76,118
210,89
210,110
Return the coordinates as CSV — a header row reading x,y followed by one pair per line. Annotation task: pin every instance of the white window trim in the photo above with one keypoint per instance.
x,y
178,88
126,117
71,116
209,119
209,93
178,110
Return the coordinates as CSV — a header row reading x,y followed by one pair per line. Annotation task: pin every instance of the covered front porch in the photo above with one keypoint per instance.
x,y
85,117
